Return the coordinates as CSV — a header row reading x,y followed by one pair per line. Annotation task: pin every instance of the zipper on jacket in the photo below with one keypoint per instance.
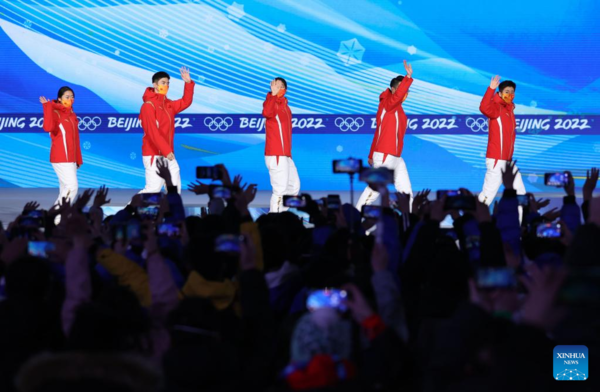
x,y
75,144
166,111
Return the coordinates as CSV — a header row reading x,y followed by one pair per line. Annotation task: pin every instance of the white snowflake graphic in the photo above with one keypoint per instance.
x,y
117,52
532,178
236,11
411,50
281,28
351,52
133,155
27,23
339,148
201,78
533,104
87,145
163,33
570,375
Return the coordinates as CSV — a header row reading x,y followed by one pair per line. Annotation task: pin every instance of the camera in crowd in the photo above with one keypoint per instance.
x,y
549,230
457,200
348,166
327,298
208,172
299,201
558,180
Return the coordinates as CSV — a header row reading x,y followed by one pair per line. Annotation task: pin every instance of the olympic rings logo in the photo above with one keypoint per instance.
x,y
218,123
349,123
89,123
479,124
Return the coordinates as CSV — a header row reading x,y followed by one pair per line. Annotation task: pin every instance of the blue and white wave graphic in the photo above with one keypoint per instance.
x,y
337,56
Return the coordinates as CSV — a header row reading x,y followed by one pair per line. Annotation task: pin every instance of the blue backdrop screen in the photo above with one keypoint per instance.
x,y
337,56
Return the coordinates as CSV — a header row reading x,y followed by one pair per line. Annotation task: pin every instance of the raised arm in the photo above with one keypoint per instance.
x,y
488,107
180,105
270,106
78,283
402,89
49,116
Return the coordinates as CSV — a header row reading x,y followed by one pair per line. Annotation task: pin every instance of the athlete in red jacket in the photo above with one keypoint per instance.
x,y
388,141
499,109
158,121
65,154
278,145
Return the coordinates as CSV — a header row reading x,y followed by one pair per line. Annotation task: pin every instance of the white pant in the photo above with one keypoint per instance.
x,y
401,179
154,183
493,180
67,180
284,180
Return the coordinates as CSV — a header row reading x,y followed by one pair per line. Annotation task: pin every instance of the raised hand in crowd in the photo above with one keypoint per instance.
x,y
590,184
509,173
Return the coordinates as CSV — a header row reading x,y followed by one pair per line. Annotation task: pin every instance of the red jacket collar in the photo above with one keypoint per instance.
x,y
282,100
386,93
151,95
60,107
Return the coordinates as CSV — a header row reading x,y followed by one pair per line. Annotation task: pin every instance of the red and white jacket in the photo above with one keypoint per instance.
x,y
158,120
278,126
62,124
391,121
501,124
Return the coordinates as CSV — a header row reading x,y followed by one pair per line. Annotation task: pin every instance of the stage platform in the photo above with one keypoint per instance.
x,y
12,200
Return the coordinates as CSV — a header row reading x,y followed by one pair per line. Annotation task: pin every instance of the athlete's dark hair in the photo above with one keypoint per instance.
x,y
159,75
505,84
396,81
282,81
63,90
